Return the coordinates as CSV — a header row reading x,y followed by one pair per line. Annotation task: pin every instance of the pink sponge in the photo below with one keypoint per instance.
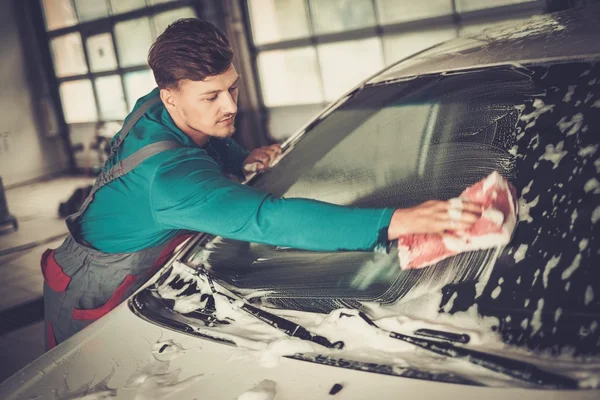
x,y
495,227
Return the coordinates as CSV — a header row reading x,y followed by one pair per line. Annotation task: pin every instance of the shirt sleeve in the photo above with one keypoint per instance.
x,y
190,192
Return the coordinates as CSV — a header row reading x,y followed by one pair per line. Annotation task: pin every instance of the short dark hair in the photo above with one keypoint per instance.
x,y
189,49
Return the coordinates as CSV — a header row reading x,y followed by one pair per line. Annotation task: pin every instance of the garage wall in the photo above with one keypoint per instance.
x,y
26,151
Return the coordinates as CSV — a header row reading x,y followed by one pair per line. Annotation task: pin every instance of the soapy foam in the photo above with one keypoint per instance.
x,y
265,390
362,341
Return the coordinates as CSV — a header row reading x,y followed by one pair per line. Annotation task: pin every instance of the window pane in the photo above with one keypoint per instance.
x,y
101,52
162,20
134,38
470,5
111,98
77,98
138,84
391,11
402,45
290,77
59,14
342,15
278,20
122,6
88,10
345,64
67,52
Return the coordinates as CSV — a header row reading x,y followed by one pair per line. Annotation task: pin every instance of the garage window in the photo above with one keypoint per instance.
x,y
99,51
310,52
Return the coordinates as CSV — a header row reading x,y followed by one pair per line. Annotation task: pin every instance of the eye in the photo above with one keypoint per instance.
x,y
211,98
233,89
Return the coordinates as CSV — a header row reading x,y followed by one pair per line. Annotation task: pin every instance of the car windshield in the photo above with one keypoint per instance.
x,y
397,144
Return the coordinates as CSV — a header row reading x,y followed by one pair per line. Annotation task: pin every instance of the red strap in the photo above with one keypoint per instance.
x,y
53,273
168,252
50,338
115,299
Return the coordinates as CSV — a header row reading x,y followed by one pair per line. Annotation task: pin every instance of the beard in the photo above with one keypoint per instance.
x,y
218,131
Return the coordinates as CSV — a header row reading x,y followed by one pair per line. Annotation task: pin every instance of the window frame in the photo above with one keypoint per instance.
x,y
106,25
379,30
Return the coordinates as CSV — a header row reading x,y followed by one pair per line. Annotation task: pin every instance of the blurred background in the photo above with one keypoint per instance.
x,y
71,70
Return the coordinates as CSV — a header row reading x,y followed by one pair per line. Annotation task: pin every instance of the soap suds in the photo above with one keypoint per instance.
x,y
527,188
587,150
574,215
265,390
536,320
595,215
589,295
554,154
592,185
574,124
572,268
525,207
569,94
550,265
520,253
496,292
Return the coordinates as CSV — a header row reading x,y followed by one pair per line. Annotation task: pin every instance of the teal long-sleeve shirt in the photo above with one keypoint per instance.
x,y
187,189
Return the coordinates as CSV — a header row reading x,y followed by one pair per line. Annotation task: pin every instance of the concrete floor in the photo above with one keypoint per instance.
x,y
36,208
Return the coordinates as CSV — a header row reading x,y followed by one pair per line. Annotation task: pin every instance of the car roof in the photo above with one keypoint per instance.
x,y
571,34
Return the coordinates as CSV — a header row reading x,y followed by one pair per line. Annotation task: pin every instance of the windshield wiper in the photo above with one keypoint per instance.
x,y
286,326
515,369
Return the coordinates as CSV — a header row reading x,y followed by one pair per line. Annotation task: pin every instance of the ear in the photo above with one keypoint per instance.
x,y
169,99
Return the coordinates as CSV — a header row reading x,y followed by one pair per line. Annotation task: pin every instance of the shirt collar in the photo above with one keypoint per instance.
x,y
167,121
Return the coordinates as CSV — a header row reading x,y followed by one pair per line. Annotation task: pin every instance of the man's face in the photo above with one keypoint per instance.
x,y
206,107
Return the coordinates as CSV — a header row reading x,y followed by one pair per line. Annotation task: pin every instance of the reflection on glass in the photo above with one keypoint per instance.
x,y
471,5
88,10
345,64
67,53
77,98
101,52
134,38
283,122
111,98
122,6
342,15
391,11
138,84
162,20
278,20
402,45
59,14
290,77
475,29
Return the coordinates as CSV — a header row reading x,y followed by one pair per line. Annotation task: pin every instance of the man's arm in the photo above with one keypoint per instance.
x,y
190,192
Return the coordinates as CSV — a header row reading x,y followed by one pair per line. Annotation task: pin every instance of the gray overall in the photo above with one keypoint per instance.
x,y
82,284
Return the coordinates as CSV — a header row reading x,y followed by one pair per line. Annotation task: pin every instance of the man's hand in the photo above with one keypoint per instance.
x,y
262,158
434,217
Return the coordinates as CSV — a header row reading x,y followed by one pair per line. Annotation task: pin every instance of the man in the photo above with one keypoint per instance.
x,y
166,175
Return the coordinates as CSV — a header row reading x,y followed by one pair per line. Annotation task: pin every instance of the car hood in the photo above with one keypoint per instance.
x,y
125,357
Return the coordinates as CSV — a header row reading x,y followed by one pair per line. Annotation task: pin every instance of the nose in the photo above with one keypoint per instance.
x,y
228,105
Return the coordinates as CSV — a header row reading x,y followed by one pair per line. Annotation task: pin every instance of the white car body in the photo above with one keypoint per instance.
x,y
127,356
